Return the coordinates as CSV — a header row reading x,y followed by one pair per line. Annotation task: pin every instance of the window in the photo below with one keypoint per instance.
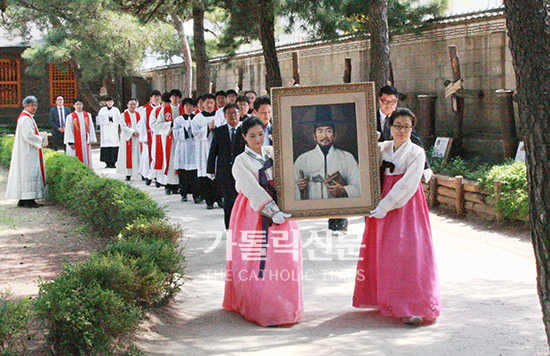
x,y
10,83
62,82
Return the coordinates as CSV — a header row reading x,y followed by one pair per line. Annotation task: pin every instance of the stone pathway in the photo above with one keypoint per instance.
x,y
488,283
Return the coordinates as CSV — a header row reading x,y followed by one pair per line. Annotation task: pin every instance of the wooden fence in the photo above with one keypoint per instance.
x,y
463,196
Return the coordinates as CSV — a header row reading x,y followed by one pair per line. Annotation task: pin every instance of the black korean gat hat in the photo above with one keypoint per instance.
x,y
323,117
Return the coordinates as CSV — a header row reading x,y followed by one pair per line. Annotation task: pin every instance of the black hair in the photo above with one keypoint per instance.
x,y
243,98
165,97
188,101
132,99
208,96
250,122
219,93
176,92
402,112
230,105
77,100
262,100
154,92
231,91
109,98
250,91
388,90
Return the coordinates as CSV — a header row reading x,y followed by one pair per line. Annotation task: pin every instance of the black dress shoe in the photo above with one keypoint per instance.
x,y
168,191
147,182
209,206
197,200
157,184
220,203
184,199
27,203
128,178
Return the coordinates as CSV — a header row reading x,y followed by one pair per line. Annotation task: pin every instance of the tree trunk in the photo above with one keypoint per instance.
x,y
188,81
379,44
201,58
528,28
87,95
267,38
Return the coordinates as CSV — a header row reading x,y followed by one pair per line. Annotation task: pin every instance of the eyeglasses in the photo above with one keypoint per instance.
x,y
388,102
402,127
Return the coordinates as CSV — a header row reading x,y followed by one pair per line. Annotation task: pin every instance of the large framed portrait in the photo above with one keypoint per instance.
x,y
326,159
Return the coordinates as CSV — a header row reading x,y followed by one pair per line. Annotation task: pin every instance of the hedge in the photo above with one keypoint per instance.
x,y
108,205
6,147
94,307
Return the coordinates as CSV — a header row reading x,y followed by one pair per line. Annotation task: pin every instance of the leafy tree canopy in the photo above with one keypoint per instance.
x,y
332,18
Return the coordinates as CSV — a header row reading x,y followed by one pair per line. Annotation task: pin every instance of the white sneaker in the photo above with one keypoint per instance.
x,y
414,320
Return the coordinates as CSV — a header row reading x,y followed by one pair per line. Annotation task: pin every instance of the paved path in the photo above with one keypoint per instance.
x,y
489,300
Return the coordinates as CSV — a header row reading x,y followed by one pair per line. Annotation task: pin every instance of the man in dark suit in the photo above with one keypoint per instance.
x,y
58,115
388,97
222,154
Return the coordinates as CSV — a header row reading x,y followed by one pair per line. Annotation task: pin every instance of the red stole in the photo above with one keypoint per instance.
x,y
148,109
128,121
40,154
78,138
168,117
158,145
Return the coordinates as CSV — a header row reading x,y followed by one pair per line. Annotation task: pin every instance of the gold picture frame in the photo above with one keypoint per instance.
x,y
350,110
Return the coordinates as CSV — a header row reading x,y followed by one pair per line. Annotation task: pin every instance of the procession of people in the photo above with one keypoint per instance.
x,y
218,150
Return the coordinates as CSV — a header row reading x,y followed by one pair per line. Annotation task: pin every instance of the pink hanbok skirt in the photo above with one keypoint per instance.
x,y
396,271
276,297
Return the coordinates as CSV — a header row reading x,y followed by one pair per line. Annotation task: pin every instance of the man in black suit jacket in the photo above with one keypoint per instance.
x,y
223,150
58,118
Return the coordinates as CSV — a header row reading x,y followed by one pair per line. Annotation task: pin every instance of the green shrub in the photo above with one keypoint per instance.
x,y
514,195
472,169
157,229
107,204
6,147
151,254
14,324
85,319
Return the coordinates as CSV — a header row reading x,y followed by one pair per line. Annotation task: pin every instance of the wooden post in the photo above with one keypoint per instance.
x,y
347,70
432,200
498,188
240,74
459,195
296,68
457,102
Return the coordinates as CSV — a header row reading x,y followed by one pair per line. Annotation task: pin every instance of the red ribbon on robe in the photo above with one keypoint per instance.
x,y
159,155
148,109
128,121
78,138
40,154
168,117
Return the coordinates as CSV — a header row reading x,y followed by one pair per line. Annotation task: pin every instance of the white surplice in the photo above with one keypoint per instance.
x,y
163,128
186,146
203,135
142,127
25,176
109,130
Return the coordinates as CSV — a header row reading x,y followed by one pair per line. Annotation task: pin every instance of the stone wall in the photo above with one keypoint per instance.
x,y
420,64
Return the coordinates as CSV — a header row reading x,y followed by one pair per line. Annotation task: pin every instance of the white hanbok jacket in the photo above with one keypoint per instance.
x,y
408,160
316,167
25,180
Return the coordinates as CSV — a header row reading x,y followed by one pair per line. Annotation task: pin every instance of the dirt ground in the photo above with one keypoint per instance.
x,y
36,243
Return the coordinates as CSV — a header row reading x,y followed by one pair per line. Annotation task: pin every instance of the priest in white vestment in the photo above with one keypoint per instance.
x,y
80,134
146,136
326,172
27,175
129,150
162,125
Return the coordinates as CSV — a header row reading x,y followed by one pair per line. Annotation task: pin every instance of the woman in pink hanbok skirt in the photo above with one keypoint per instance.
x,y
264,258
396,271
